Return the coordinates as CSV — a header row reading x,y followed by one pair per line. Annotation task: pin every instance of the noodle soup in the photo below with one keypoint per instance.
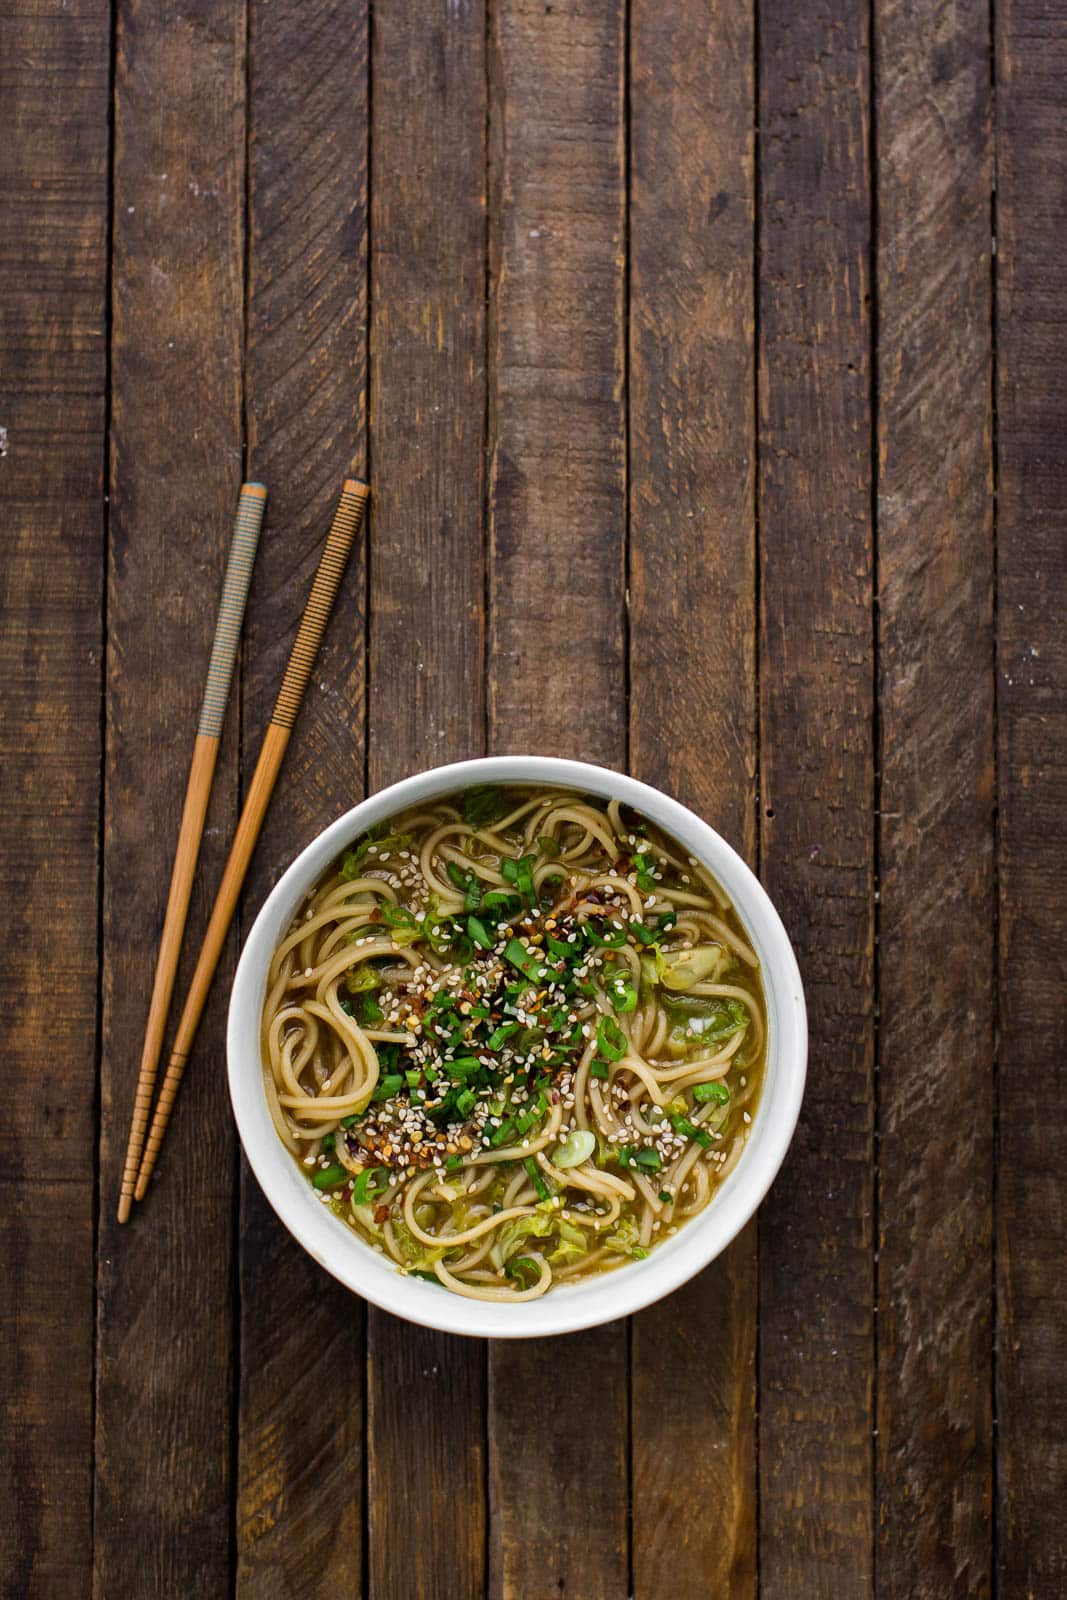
x,y
514,1037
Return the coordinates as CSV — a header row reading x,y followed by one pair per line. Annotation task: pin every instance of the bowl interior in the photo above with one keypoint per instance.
x,y
566,1307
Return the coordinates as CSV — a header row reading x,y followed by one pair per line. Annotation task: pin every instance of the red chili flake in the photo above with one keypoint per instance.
x,y
381,1213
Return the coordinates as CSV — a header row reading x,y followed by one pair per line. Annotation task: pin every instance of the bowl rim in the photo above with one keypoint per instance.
x,y
599,1299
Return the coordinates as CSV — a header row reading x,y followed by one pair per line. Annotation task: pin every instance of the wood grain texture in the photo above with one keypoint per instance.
x,y
53,196
426,1391
817,780
557,435
693,698
935,690
164,1346
1032,729
300,1463
558,1497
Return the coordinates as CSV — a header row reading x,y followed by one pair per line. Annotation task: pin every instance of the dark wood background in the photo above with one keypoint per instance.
x,y
709,363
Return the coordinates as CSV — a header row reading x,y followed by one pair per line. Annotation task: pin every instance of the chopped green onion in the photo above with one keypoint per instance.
x,y
468,883
328,1143
463,1066
639,1253
718,1092
525,960
537,1179
499,1035
523,1269
480,933
643,870
598,1068
348,1122
452,1163
610,937
367,1186
413,1077
505,905
666,1196
621,992
520,873
502,1134
329,1177
649,1158
465,1102
397,916
683,1126
524,1123
391,1084
610,1039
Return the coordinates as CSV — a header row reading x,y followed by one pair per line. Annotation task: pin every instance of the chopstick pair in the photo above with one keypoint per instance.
x,y
142,1152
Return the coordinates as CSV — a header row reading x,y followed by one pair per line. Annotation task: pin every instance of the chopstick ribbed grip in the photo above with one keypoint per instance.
x,y
243,545
346,524
242,557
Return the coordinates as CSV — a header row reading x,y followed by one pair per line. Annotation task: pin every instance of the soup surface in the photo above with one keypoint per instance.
x,y
514,1037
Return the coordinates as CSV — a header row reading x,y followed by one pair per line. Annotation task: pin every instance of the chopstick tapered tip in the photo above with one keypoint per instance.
x,y
356,486
125,1206
141,1189
259,489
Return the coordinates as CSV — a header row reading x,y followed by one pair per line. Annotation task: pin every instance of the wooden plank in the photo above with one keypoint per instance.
x,y
693,705
426,1391
53,192
557,433
301,1403
557,659
1031,56
817,780
164,1374
935,581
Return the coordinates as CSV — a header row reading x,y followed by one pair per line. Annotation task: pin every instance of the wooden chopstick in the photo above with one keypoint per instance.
x,y
250,507
346,524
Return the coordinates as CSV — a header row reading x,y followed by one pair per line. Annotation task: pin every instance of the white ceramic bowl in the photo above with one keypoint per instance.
x,y
567,1307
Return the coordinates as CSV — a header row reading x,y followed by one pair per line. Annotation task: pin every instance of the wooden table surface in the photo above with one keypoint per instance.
x,y
714,397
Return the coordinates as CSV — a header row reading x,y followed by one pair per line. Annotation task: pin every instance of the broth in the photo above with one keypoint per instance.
x,y
514,1037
